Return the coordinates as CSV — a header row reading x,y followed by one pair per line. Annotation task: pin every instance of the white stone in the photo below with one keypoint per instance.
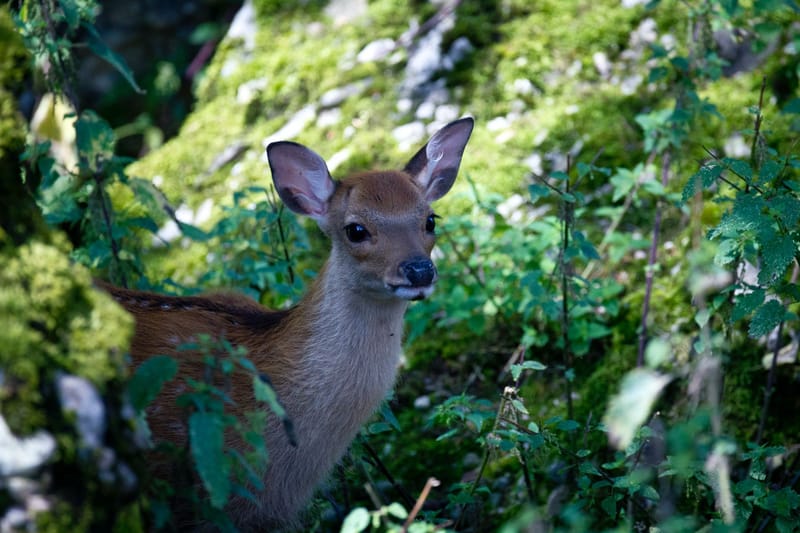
x,y
736,146
422,402
21,455
409,134
523,86
294,126
338,158
602,64
447,113
497,124
338,95
329,117
249,90
534,163
244,27
425,110
78,396
376,50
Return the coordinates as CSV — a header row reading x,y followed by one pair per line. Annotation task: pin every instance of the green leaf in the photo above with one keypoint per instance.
x,y
568,425
629,408
777,253
766,318
623,181
730,6
193,232
787,208
609,505
356,521
149,378
739,167
537,190
727,252
95,140
782,502
206,439
71,13
769,171
702,316
705,177
516,370
397,511
747,303
265,393
650,493
657,353
102,51
792,107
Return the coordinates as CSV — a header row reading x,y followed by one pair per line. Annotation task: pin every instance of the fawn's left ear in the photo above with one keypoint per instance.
x,y
435,166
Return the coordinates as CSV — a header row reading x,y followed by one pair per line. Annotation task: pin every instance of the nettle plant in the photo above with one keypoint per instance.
x,y
75,194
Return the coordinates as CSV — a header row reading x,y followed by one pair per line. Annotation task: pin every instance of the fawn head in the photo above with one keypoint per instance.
x,y
380,223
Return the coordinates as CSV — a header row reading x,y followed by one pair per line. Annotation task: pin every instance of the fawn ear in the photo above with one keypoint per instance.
x,y
301,178
435,166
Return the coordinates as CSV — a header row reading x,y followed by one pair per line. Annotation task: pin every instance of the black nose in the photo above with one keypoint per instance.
x,y
418,272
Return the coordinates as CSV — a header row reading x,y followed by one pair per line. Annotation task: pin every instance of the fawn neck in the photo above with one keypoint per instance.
x,y
352,347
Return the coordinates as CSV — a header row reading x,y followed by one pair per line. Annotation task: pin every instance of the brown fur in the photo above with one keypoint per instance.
x,y
333,357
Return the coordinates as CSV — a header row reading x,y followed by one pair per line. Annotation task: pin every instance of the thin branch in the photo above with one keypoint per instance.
x,y
406,497
754,151
716,158
768,391
431,483
101,194
566,274
651,263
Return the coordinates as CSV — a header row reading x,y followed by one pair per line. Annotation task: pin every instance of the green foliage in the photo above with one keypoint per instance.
x,y
576,273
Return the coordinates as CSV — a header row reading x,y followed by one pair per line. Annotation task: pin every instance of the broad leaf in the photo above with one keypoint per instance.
x,y
149,378
629,408
206,438
766,318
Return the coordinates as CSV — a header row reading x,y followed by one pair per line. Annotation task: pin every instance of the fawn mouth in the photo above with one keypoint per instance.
x,y
411,292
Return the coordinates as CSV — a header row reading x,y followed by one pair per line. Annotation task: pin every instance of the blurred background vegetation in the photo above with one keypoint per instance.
x,y
613,341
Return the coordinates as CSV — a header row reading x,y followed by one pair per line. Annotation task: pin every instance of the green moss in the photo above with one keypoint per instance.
x,y
54,320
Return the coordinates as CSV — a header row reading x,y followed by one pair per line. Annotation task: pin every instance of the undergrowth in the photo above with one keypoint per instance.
x,y
583,338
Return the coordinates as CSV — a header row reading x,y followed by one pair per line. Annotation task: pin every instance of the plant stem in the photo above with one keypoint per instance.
x,y
651,263
407,499
431,483
770,385
101,196
566,274
755,153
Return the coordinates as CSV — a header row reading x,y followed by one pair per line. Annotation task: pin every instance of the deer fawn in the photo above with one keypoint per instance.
x,y
333,357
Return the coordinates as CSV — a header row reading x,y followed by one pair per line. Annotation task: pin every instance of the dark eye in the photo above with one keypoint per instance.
x,y
430,224
356,232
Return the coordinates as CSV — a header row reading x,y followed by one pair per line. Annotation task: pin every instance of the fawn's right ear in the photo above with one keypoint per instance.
x,y
301,178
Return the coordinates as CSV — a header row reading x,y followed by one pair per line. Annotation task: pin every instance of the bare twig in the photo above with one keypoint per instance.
x,y
431,483
651,263
755,153
376,461
566,275
101,195
770,385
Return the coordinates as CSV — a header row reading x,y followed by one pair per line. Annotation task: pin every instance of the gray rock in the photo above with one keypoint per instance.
x,y
77,395
409,134
19,456
294,126
376,50
338,95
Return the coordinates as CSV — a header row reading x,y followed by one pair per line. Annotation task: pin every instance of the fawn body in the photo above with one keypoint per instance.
x,y
333,357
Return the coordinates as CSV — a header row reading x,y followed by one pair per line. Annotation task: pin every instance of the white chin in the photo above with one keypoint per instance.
x,y
412,293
